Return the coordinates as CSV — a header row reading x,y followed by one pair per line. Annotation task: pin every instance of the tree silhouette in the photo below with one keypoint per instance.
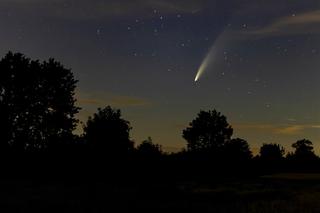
x,y
237,149
107,133
303,150
37,104
147,149
208,132
271,152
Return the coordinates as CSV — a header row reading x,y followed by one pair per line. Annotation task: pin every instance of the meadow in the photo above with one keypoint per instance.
x,y
274,193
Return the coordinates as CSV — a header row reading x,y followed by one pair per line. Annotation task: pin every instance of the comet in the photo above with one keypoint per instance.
x,y
205,63
211,56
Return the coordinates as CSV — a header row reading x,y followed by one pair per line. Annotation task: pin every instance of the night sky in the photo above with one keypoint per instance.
x,y
142,56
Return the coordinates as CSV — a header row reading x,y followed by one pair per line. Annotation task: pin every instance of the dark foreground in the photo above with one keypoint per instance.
x,y
276,193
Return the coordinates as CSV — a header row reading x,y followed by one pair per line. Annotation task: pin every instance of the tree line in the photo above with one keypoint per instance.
x,y
38,117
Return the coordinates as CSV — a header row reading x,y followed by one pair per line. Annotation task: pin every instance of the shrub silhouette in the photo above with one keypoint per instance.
x,y
37,104
237,150
271,152
147,149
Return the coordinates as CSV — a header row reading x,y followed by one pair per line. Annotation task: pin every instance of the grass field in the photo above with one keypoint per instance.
x,y
277,193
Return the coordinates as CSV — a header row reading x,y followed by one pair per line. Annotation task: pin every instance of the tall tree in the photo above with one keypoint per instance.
x,y
208,132
37,104
303,150
107,133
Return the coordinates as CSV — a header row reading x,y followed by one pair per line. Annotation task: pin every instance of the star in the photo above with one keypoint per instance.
x,y
268,105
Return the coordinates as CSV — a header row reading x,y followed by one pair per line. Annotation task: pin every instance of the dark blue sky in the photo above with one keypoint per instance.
x,y
142,56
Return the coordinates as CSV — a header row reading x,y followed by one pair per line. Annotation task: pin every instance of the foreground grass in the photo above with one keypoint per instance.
x,y
278,193
294,176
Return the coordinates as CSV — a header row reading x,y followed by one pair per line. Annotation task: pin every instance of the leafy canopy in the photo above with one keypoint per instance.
x,y
208,132
37,104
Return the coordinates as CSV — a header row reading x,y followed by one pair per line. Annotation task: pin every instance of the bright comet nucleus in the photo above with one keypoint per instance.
x,y
211,55
203,66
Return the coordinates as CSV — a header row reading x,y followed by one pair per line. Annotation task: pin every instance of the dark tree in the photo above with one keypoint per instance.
x,y
237,149
37,104
271,152
303,150
208,132
107,133
148,149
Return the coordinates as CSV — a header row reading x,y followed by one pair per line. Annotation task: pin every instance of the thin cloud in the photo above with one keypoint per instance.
x,y
296,24
290,130
254,126
292,119
282,129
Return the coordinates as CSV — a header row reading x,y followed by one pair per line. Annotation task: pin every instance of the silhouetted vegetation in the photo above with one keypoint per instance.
x,y
237,150
208,132
107,134
303,150
37,104
272,152
303,158
271,158
37,111
37,120
147,149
